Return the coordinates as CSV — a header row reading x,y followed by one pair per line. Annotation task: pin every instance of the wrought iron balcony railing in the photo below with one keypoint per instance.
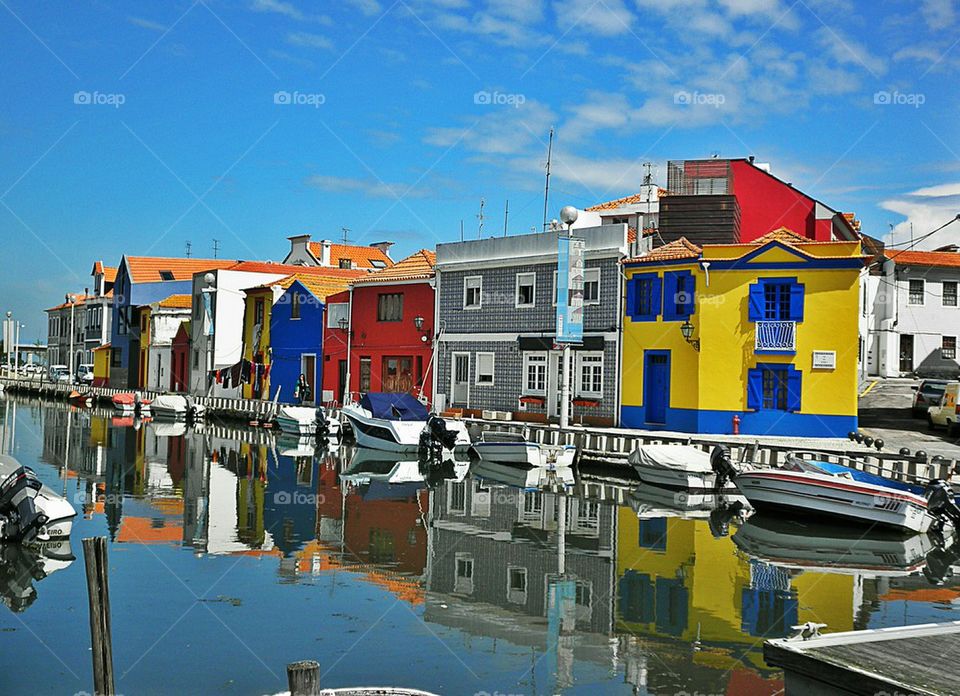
x,y
776,335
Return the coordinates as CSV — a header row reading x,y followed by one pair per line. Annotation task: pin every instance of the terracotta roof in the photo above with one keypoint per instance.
x,y
634,199
109,272
360,256
105,346
679,250
940,259
418,266
326,282
782,234
291,269
79,299
148,269
176,302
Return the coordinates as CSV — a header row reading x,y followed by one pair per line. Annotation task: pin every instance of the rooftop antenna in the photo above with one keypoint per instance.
x,y
216,247
189,247
461,229
480,217
506,214
346,231
546,189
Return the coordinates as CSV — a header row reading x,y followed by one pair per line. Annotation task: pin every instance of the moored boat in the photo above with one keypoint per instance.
x,y
523,475
80,399
400,423
29,510
176,407
674,466
303,420
131,403
513,448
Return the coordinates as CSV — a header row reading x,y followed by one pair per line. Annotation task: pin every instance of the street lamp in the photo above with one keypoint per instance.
x,y
71,301
686,329
7,337
568,215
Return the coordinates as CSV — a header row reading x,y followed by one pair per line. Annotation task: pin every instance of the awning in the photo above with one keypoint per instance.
x,y
541,343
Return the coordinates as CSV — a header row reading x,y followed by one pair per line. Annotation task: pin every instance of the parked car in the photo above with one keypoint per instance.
x,y
85,374
60,373
928,394
945,413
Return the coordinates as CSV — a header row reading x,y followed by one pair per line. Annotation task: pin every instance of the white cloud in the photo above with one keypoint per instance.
x,y
367,7
371,187
287,9
147,24
847,51
523,11
926,209
939,14
307,40
604,17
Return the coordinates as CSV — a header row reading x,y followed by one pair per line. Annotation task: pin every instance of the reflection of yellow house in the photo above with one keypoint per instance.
x,y
251,490
675,580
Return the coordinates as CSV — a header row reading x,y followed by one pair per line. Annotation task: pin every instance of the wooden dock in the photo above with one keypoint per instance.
x,y
923,659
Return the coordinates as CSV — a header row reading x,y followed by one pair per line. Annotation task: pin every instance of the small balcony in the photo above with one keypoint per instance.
x,y
776,336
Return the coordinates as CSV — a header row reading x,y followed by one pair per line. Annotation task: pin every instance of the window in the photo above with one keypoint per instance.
x,y
196,358
516,585
457,499
590,374
949,294
115,355
485,368
526,289
776,299
390,307
948,348
336,312
644,297
295,305
678,295
774,387
472,292
166,275
258,312
377,263
345,263
535,374
464,573
591,286
916,291
364,374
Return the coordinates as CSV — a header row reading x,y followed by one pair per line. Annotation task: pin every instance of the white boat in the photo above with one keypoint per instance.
x,y
296,446
832,548
674,466
130,404
396,422
650,501
809,485
302,420
386,470
522,475
175,429
176,407
513,448
22,566
29,510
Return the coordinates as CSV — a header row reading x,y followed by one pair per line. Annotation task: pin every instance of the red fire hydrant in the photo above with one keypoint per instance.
x,y
736,425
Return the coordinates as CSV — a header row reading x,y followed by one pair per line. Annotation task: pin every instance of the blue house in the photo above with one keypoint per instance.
x,y
140,281
296,336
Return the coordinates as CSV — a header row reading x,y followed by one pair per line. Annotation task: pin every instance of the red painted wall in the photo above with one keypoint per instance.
x,y
377,339
767,203
180,361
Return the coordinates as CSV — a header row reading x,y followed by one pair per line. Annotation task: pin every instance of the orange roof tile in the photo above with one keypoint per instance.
x,y
322,282
176,302
678,250
109,272
79,300
417,266
782,234
939,259
148,269
360,256
634,199
141,530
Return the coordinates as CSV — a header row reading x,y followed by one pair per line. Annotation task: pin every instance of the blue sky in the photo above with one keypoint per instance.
x,y
135,127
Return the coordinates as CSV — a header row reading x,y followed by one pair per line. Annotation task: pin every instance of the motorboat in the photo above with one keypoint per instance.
x,y
514,448
296,446
832,548
400,423
80,399
809,485
364,469
22,566
131,404
176,407
650,501
674,466
523,475
29,510
168,429
303,420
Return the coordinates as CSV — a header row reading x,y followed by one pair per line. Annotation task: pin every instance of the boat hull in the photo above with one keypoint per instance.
x,y
525,453
395,436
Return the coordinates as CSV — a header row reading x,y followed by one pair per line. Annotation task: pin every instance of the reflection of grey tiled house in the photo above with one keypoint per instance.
x,y
498,545
496,308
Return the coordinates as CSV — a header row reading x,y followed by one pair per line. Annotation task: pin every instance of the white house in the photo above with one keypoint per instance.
x,y
304,252
165,318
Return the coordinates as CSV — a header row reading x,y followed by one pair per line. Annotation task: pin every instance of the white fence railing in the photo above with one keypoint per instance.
x,y
776,335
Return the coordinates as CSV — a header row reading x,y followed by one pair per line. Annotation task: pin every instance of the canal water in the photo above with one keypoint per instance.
x,y
234,552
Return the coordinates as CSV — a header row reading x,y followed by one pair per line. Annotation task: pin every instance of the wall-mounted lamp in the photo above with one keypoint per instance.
x,y
686,328
418,322
343,324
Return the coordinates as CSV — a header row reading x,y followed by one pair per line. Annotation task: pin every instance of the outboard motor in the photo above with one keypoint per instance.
x,y
722,466
942,503
193,411
722,516
435,438
323,427
18,493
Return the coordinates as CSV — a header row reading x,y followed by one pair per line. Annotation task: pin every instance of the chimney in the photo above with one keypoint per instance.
x,y
299,249
325,252
383,246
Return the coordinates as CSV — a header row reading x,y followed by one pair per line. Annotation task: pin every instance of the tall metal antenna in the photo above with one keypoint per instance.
x,y
346,231
461,229
480,218
506,215
189,247
216,247
546,189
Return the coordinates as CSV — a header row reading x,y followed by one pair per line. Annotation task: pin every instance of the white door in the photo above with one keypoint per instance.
x,y
460,380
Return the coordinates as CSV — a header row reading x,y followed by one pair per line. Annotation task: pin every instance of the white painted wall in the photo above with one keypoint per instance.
x,y
927,322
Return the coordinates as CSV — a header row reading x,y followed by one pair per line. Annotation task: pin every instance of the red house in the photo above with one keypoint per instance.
x,y
379,335
179,359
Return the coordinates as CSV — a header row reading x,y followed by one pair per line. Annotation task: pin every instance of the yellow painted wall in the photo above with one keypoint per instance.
x,y
101,365
144,345
249,349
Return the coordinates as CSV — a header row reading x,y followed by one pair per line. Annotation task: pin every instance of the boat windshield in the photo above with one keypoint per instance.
x,y
813,466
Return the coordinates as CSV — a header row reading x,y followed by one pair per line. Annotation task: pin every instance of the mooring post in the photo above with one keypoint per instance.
x,y
98,591
303,678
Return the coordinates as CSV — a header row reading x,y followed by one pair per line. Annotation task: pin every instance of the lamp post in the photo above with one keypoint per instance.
x,y
7,337
210,280
71,300
16,348
568,215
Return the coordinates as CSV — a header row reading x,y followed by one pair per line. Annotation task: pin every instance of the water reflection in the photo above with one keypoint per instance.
x,y
596,585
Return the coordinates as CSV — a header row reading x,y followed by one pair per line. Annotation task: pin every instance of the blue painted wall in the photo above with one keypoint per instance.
x,y
291,338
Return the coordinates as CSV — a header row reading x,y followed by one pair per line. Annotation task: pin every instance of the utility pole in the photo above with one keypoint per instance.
x,y
461,229
546,189
506,215
480,217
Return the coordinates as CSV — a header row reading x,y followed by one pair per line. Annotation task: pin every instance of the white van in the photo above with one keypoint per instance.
x,y
945,414
59,373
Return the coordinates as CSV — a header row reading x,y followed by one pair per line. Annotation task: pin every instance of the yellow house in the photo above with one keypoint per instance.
x,y
760,337
101,365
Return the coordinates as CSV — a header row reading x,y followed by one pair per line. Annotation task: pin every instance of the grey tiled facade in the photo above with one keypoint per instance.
x,y
500,327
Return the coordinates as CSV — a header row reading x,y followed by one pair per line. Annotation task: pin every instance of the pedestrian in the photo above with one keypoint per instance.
x,y
302,391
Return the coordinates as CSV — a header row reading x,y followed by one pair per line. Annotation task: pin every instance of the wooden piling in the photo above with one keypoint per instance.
x,y
98,591
303,678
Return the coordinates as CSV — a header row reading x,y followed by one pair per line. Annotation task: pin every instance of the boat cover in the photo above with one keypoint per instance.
x,y
818,467
396,407
676,457
301,414
170,402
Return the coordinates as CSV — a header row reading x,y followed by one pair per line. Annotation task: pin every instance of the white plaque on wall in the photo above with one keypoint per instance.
x,y
824,360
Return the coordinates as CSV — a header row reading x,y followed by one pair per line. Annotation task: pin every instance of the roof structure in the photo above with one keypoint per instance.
x,y
936,259
633,199
360,256
417,266
321,285
109,272
79,299
176,302
679,250
155,269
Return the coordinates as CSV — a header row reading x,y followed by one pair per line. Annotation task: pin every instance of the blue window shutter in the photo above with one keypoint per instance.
x,y
670,297
657,293
632,298
691,291
756,302
755,389
796,302
794,378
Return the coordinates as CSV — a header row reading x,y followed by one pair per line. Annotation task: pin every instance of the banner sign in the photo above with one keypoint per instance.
x,y
570,289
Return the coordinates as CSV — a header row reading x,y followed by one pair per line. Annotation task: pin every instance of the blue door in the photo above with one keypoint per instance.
x,y
656,377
